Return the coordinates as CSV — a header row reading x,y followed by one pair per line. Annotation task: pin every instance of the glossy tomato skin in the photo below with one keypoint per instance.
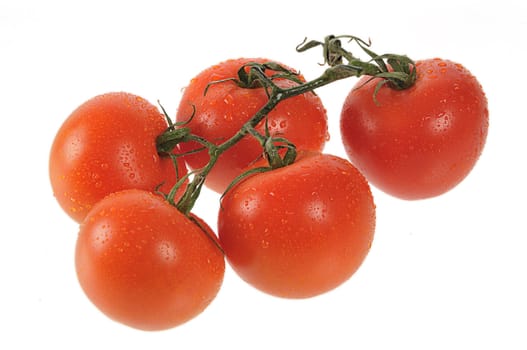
x,y
144,264
420,142
301,230
226,107
106,145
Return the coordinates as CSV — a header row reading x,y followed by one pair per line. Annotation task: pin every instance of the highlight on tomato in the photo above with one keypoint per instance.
x,y
145,264
418,142
300,230
106,145
221,112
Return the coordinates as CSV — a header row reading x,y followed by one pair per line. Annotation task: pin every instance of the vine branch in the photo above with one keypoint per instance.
x,y
395,71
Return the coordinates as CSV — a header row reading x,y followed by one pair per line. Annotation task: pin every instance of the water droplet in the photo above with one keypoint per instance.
x,y
228,99
441,123
265,244
166,251
317,210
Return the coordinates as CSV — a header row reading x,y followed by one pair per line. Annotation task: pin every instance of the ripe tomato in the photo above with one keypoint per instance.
x,y
226,107
108,144
145,264
422,141
300,230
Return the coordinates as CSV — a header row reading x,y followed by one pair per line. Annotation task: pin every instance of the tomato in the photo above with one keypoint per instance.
x,y
145,264
300,230
108,144
226,107
419,142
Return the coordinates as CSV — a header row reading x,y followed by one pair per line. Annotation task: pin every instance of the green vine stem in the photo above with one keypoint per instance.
x,y
395,71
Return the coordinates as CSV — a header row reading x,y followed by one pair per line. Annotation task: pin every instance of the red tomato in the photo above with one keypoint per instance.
x,y
300,230
108,144
422,141
145,264
226,107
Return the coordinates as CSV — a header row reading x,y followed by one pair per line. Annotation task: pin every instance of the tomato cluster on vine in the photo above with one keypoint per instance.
x,y
293,221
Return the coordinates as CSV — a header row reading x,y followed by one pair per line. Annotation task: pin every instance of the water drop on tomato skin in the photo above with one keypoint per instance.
x,y
228,99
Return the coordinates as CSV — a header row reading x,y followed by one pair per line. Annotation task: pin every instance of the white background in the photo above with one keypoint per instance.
x,y
445,273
